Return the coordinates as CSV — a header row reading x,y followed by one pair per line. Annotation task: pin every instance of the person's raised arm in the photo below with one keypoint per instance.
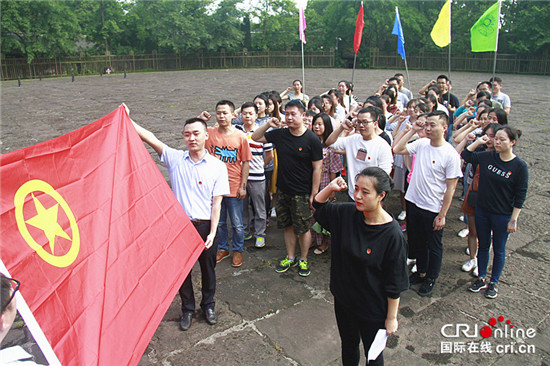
x,y
461,134
259,134
149,138
336,185
346,125
469,138
425,87
401,146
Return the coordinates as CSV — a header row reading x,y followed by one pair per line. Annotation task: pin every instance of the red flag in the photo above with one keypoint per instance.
x,y
359,24
97,238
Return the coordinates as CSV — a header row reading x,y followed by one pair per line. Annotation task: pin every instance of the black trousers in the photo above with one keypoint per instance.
x,y
207,261
424,240
353,330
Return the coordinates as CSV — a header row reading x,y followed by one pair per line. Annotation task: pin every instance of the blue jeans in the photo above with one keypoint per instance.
x,y
498,224
233,207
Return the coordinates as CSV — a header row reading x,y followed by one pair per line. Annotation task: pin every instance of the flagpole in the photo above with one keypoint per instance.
x,y
353,72
496,46
450,26
303,71
407,71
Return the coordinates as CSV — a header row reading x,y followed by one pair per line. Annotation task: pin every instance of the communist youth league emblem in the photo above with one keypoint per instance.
x,y
46,219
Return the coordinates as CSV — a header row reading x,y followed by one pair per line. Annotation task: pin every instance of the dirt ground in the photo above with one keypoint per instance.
x,y
279,319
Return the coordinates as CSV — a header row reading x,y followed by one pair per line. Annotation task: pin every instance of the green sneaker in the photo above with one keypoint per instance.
x,y
285,264
303,269
248,237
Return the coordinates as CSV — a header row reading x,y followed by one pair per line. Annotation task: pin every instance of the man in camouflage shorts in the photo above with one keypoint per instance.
x,y
300,156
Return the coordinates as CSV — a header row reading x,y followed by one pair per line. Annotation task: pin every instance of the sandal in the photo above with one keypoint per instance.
x,y
319,251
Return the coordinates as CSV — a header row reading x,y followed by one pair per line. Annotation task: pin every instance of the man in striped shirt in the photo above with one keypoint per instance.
x,y
262,154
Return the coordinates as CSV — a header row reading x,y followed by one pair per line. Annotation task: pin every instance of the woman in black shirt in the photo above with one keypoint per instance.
x,y
503,180
368,264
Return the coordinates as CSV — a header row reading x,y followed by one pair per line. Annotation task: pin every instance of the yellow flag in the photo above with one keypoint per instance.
x,y
441,32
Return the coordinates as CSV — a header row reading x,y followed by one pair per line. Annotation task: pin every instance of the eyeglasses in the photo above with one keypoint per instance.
x,y
15,287
364,122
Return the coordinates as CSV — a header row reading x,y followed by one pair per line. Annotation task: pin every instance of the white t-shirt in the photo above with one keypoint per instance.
x,y
432,167
503,99
361,154
340,112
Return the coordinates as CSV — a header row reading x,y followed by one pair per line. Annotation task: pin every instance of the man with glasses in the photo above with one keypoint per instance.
x,y
363,149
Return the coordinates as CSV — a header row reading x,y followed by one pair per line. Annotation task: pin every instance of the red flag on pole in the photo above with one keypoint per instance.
x,y
302,24
359,24
97,238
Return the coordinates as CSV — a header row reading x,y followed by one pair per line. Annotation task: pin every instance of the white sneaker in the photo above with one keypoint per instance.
x,y
461,218
260,242
463,233
469,265
402,216
413,269
273,213
410,261
476,272
467,251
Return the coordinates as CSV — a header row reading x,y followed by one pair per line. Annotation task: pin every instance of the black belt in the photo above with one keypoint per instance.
x,y
199,222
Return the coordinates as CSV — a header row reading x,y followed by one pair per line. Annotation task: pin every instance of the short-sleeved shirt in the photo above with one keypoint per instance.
x,y
503,99
295,155
361,154
368,262
256,170
432,167
194,184
232,150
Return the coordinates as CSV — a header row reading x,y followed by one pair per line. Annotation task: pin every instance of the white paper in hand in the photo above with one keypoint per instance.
x,y
377,345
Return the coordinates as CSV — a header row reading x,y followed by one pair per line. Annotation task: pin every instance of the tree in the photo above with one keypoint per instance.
x,y
33,29
526,27
278,26
224,26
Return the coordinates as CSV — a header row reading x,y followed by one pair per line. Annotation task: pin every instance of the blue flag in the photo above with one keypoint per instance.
x,y
398,31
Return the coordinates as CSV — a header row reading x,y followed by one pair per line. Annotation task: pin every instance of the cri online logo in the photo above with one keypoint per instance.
x,y
507,330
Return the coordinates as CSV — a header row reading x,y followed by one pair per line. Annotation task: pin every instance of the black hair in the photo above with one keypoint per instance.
x,y
391,91
196,119
332,105
316,101
502,117
376,114
441,115
497,79
348,85
301,84
394,78
226,102
382,181
443,77
296,103
248,105
483,93
310,113
328,125
513,133
423,107
374,100
489,84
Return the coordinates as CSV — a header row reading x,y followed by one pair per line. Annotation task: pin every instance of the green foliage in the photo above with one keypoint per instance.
x,y
33,29
43,28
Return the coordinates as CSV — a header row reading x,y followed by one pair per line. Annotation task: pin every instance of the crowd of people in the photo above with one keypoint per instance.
x,y
285,155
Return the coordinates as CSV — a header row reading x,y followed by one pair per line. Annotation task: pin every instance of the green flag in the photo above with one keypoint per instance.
x,y
484,33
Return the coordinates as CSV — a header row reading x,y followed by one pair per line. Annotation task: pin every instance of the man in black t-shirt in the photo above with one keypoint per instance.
x,y
300,157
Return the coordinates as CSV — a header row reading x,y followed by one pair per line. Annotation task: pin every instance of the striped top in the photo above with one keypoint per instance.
x,y
258,149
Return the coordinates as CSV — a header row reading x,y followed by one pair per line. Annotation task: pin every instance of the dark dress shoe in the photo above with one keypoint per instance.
x,y
211,317
186,319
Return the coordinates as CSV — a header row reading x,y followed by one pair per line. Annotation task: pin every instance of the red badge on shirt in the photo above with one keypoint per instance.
x,y
368,250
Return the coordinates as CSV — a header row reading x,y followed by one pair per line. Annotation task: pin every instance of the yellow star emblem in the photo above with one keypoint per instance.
x,y
46,220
